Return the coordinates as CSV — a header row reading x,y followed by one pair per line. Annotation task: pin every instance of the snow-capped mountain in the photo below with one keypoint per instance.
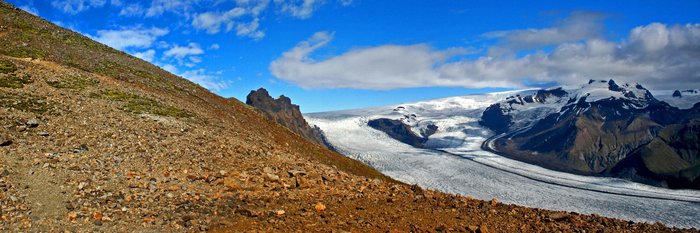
x,y
452,158
520,111
600,131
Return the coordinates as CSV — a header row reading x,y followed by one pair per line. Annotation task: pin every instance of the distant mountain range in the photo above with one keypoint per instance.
x,y
601,128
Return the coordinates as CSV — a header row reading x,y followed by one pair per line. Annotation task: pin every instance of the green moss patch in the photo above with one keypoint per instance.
x,y
72,82
14,81
7,67
22,102
137,104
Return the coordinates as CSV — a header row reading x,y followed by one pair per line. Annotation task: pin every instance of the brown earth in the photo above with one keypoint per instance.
x,y
108,143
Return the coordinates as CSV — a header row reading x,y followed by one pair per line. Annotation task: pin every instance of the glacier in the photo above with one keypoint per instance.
x,y
455,163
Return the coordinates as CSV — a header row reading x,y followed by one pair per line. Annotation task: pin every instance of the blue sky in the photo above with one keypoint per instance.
x,y
340,54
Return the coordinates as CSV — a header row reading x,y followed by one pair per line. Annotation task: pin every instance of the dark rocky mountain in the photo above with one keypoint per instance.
x,y
608,129
402,132
282,111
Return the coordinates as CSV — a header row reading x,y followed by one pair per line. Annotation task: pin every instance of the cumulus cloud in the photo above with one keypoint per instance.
x,y
30,9
132,10
302,9
206,80
212,21
181,7
656,55
147,55
183,51
76,6
244,19
382,67
129,37
578,26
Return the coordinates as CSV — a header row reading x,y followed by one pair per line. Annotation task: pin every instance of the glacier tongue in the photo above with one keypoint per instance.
x,y
457,164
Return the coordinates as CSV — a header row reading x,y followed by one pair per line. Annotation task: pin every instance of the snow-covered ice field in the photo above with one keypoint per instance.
x,y
456,164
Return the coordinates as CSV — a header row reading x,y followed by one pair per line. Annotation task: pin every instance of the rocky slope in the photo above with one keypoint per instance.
x,y
96,140
282,111
604,129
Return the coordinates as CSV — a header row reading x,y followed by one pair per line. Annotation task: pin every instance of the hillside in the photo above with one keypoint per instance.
x,y
96,140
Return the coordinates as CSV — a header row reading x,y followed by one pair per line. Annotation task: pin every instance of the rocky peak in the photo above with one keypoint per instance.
x,y
282,111
677,93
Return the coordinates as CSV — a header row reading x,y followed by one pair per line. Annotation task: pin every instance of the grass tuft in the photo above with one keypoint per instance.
x,y
26,103
137,104
73,83
14,81
7,67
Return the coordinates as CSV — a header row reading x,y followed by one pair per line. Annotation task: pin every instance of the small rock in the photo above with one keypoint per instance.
x,y
13,198
558,216
43,134
280,212
296,172
483,229
5,141
4,173
232,184
246,212
152,187
272,177
72,216
494,202
320,207
21,128
82,185
33,123
268,170
472,228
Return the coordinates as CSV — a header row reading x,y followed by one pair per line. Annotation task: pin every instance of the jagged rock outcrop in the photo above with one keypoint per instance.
x,y
282,111
610,129
401,131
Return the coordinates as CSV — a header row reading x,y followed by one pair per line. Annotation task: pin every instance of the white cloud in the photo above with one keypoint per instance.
x,y
250,30
169,67
129,37
206,80
244,18
76,6
302,9
578,26
181,7
212,21
656,55
132,10
180,52
214,47
30,9
147,55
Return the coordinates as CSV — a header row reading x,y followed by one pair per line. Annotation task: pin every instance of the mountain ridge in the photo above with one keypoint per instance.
x,y
595,130
103,141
